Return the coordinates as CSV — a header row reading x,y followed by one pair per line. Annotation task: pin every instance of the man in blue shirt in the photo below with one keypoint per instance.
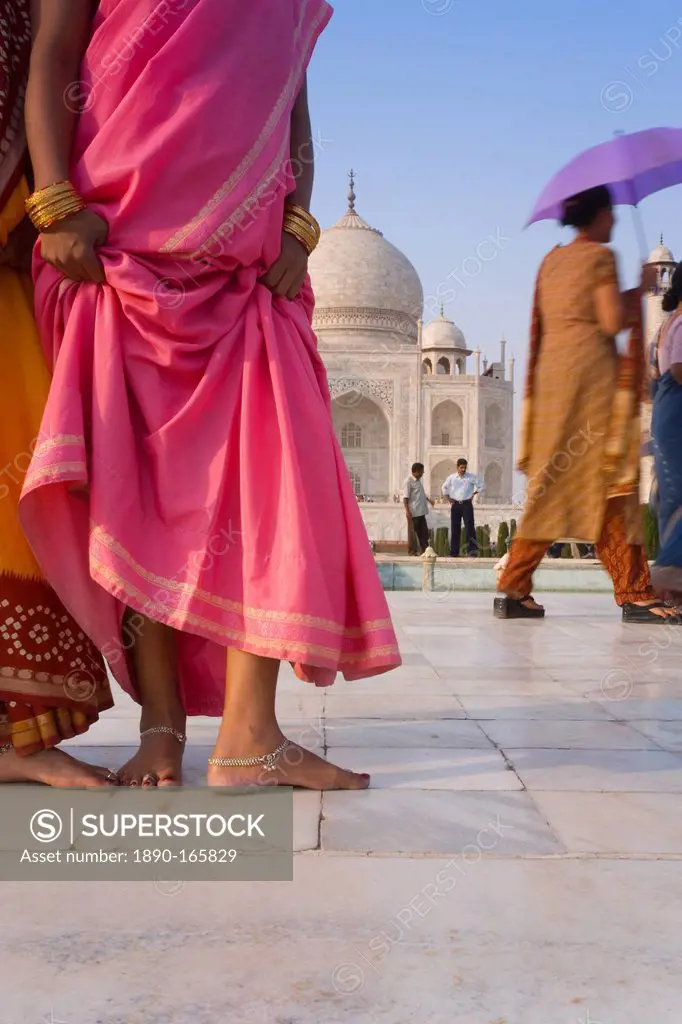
x,y
461,488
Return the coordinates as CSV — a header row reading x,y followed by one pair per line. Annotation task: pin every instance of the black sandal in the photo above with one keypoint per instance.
x,y
514,608
644,613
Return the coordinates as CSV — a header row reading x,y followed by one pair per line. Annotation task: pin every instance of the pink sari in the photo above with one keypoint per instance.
x,y
187,466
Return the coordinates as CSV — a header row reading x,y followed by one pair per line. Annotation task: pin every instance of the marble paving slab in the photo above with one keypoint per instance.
x,y
499,708
408,822
615,823
351,702
428,768
518,859
597,771
353,941
459,734
567,735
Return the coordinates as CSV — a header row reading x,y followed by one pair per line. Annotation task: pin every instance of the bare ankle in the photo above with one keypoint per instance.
x,y
171,715
251,739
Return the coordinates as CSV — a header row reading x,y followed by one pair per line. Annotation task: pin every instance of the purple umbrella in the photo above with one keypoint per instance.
x,y
633,167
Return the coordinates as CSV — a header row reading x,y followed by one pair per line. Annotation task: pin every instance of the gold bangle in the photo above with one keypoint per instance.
x,y
303,227
43,221
47,196
45,193
49,188
46,225
55,208
305,216
302,224
303,237
52,204
306,245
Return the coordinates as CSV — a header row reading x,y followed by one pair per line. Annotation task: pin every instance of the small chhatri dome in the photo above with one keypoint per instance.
x,y
363,282
661,254
443,333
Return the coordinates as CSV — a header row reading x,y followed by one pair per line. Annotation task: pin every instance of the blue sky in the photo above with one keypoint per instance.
x,y
455,121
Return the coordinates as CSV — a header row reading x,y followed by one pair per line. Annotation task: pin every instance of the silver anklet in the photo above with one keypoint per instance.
x,y
164,730
6,748
267,761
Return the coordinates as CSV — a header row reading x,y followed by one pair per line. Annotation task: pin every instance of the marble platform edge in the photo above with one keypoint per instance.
x,y
471,574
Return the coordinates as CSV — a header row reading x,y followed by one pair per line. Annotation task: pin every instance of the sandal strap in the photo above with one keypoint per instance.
x,y
267,761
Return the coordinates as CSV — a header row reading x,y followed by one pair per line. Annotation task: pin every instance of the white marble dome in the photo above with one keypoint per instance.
x,y
661,254
363,282
443,333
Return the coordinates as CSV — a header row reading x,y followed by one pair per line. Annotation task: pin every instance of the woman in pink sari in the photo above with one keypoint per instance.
x,y
187,496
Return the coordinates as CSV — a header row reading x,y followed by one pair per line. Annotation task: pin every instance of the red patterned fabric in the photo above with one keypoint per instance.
x,y
15,52
625,563
53,683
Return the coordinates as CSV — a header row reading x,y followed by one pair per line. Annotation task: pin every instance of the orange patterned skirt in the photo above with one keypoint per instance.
x,y
53,683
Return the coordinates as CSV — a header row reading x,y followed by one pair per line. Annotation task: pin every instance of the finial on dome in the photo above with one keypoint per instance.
x,y
442,311
662,242
351,192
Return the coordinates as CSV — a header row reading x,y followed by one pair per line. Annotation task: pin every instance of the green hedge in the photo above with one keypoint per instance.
x,y
441,544
484,542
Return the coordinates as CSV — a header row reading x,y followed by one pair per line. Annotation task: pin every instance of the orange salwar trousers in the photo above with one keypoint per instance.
x,y
625,563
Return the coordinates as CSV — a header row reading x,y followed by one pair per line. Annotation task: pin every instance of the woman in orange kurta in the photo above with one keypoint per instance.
x,y
580,447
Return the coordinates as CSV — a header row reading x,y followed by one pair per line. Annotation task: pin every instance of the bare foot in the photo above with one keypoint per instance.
x,y
531,604
158,762
295,767
53,768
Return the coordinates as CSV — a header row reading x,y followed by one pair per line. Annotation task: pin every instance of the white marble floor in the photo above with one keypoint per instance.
x,y
518,859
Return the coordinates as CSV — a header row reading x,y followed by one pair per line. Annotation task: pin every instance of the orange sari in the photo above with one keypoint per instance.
x,y
53,682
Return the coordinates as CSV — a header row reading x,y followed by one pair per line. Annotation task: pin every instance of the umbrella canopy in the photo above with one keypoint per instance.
x,y
632,166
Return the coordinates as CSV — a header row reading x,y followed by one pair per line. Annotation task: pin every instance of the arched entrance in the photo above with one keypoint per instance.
x,y
447,425
493,483
493,427
363,431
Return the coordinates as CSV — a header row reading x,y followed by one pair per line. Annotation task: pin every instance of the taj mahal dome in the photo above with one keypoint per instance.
x,y
404,391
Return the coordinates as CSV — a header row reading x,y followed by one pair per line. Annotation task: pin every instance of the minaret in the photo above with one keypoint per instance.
x,y
510,471
503,356
664,261
475,419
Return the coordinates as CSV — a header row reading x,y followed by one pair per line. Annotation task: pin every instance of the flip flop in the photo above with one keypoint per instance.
x,y
512,608
644,613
